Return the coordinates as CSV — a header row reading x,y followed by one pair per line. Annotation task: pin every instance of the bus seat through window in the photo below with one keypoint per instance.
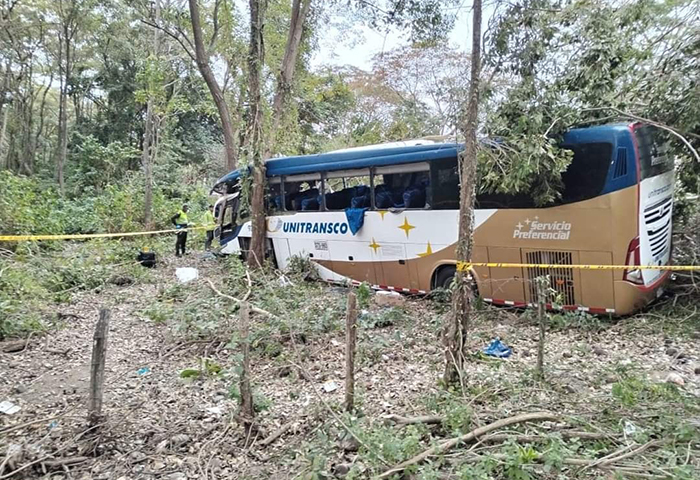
x,y
308,204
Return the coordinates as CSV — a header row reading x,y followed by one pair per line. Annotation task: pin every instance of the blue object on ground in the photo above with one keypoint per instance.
x,y
356,218
498,349
143,371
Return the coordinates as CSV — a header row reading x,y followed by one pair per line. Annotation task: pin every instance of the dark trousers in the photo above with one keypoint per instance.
x,y
180,242
210,238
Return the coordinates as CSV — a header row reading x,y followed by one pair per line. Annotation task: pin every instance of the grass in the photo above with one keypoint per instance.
x,y
38,277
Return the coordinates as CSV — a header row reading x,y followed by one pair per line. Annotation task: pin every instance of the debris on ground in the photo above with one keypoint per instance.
x,y
186,274
389,299
498,349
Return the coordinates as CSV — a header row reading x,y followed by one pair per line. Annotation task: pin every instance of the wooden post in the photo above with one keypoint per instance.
x,y
541,284
247,410
97,370
350,342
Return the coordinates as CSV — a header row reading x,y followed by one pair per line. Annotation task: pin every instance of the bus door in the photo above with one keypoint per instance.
x,y
226,212
506,283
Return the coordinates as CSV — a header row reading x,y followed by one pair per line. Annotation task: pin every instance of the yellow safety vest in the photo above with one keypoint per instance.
x,y
181,218
209,221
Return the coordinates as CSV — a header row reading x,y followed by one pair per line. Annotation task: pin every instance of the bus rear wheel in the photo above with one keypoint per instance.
x,y
444,277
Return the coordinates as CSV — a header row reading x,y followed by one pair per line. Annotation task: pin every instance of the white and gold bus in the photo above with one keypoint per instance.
x,y
388,215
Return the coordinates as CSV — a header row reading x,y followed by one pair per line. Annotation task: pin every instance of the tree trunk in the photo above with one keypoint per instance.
x,y
4,150
350,343
62,150
542,284
27,156
455,334
247,406
38,135
256,255
216,93
148,153
97,370
286,76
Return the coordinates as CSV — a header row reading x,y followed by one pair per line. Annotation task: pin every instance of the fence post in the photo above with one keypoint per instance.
x,y
541,284
97,370
247,411
350,342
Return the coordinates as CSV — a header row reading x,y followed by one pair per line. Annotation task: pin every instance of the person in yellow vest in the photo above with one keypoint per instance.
x,y
180,221
210,225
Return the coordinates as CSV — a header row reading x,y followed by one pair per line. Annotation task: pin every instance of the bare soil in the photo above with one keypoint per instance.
x,y
159,425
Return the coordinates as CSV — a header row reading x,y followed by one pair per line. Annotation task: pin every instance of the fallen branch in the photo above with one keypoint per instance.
x,y
253,309
43,459
436,419
17,346
276,434
65,461
502,437
636,471
623,456
473,435
427,419
670,130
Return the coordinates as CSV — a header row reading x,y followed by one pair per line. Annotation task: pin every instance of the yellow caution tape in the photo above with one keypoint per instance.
x,y
460,265
467,265
23,238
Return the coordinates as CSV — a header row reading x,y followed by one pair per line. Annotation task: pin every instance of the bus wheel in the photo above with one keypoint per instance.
x,y
444,277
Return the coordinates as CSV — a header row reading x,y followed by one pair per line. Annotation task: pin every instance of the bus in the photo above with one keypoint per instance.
x,y
388,215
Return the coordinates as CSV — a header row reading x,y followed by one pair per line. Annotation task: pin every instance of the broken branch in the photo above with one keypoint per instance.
x,y
473,435
253,309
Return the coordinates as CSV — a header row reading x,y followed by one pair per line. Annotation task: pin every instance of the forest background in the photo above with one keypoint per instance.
x,y
78,78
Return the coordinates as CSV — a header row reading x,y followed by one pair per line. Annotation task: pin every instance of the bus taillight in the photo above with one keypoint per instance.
x,y
633,275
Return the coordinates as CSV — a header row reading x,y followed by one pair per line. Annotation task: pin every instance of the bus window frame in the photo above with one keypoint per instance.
x,y
282,193
323,192
372,200
371,172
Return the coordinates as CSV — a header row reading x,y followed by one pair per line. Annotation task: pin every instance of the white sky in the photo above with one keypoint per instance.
x,y
359,50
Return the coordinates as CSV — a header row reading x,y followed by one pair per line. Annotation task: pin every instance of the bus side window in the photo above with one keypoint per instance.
x,y
274,199
444,180
301,196
351,191
585,178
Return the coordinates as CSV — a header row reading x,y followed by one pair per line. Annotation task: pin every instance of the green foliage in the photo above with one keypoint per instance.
x,y
579,320
631,390
381,318
301,267
26,207
391,445
519,458
94,165
260,402
33,281
364,295
190,373
561,65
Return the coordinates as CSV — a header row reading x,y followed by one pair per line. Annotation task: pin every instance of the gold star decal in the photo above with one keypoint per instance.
x,y
382,213
374,245
406,227
428,251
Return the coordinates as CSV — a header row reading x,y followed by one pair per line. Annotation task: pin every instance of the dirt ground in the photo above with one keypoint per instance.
x,y
159,425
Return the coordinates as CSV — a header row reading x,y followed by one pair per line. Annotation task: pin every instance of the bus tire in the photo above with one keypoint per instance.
x,y
444,276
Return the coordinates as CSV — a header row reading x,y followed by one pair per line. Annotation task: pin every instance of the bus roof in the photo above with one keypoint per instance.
x,y
412,151
351,159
